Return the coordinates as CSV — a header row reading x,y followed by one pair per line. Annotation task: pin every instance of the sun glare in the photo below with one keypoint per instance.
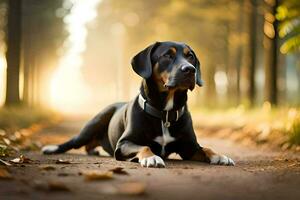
x,y
69,92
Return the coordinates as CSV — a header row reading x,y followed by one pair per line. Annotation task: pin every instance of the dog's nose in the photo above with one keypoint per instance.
x,y
188,69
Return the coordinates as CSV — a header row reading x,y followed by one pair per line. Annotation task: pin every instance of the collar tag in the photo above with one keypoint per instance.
x,y
167,123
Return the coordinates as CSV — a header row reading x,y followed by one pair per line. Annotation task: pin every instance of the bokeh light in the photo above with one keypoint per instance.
x,y
69,92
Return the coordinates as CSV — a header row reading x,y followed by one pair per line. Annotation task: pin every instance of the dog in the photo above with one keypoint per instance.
x,y
157,122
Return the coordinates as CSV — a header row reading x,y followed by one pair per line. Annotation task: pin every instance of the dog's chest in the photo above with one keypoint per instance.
x,y
164,139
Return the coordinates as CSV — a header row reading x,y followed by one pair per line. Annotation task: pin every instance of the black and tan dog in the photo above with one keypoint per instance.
x,y
157,122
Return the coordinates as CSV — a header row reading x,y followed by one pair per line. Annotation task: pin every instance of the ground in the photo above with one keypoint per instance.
x,y
258,174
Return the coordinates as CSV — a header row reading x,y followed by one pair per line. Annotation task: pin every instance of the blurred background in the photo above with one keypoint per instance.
x,y
73,56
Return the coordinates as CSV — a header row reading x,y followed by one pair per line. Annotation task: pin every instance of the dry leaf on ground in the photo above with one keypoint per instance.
x,y
47,167
21,159
4,174
50,186
57,186
39,185
3,162
63,174
119,170
97,175
131,188
61,161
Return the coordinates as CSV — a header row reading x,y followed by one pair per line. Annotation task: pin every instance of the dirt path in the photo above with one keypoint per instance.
x,y
257,175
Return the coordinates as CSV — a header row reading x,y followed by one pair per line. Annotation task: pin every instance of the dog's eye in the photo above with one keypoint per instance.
x,y
168,56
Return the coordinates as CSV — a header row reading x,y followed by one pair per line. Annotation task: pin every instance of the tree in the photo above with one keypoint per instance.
x,y
271,51
251,11
13,54
43,33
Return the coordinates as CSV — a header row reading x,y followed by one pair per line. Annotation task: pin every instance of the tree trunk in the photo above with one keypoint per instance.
x,y
251,50
210,86
27,44
271,51
13,53
235,57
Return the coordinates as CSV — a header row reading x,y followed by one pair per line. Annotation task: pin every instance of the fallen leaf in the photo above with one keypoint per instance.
x,y
97,175
47,167
21,159
2,132
50,186
63,174
131,188
4,174
57,186
3,162
119,170
40,185
6,141
61,161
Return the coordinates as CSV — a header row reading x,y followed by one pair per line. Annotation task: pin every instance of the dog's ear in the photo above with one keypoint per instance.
x,y
141,63
199,81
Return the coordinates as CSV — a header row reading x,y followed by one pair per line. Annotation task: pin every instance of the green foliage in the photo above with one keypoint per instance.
x,y
294,132
288,13
3,150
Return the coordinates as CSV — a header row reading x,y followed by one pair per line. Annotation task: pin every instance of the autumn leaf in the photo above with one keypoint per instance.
x,y
47,167
4,174
57,186
21,159
119,170
97,175
3,162
50,186
131,188
61,161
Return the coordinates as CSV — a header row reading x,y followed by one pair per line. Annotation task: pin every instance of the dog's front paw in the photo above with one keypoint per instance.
x,y
221,160
153,161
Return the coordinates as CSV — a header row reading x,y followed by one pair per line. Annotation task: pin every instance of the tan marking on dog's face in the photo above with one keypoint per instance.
x,y
160,78
186,50
173,50
144,152
164,76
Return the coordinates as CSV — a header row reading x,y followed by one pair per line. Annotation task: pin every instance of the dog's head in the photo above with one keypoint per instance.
x,y
171,65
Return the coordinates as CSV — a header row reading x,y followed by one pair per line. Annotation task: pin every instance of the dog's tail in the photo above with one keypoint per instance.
x,y
94,129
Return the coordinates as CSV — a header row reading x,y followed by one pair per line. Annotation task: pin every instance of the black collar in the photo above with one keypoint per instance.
x,y
166,116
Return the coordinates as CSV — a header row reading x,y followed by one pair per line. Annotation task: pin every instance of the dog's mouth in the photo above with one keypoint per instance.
x,y
182,84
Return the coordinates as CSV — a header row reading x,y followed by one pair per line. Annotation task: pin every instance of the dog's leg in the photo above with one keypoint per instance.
x,y
95,129
143,154
208,155
90,147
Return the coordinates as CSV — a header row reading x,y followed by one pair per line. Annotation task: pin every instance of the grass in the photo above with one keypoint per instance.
x,y
294,127
17,124
15,118
262,125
